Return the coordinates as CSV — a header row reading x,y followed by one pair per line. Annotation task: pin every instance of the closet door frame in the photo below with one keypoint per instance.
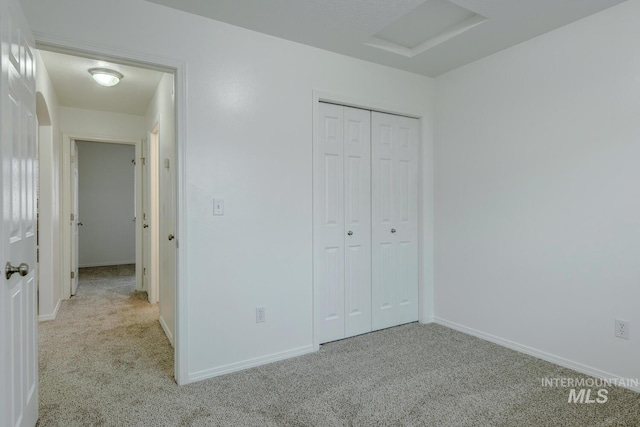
x,y
380,106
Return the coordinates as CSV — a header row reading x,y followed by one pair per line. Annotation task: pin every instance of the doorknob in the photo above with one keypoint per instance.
x,y
171,237
22,269
80,223
393,230
145,225
350,233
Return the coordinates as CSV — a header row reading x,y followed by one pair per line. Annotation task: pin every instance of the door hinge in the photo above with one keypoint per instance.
x,y
144,271
73,217
73,274
143,160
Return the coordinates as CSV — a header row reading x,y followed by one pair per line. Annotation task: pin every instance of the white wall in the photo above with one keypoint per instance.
x,y
537,194
49,278
248,141
101,124
106,200
161,112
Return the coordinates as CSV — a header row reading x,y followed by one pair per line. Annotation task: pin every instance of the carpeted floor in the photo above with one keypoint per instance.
x,y
106,362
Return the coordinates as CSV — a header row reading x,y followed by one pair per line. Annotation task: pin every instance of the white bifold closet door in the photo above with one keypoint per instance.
x,y
342,221
394,172
365,233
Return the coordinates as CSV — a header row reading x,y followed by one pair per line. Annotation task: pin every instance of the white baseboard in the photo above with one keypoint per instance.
x,y
250,363
558,360
166,330
51,316
106,264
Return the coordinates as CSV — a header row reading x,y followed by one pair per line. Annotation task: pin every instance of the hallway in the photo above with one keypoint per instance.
x,y
105,339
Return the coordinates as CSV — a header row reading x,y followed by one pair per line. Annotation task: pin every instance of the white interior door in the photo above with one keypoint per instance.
x,y
75,219
394,142
18,357
146,219
342,225
167,242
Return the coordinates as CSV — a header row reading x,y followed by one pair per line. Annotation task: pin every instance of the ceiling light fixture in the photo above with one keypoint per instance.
x,y
106,77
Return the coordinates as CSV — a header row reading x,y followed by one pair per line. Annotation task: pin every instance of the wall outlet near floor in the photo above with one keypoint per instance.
x,y
622,329
261,314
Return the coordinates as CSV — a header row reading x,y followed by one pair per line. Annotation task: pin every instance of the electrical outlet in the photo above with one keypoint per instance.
x,y
261,314
622,329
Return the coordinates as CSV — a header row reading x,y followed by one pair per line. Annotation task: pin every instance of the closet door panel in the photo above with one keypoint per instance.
x,y
328,221
407,219
383,248
395,220
357,217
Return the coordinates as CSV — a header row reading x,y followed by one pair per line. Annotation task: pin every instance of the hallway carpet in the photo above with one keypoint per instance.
x,y
105,361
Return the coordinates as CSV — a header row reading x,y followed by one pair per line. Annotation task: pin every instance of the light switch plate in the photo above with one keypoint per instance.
x,y
218,207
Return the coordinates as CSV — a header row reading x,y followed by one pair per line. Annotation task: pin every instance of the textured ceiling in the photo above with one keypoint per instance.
x,y
75,87
455,32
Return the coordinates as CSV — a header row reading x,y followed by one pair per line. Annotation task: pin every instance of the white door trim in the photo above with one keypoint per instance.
x,y
383,107
179,70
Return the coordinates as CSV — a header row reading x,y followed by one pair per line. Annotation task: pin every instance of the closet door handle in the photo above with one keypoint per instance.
x,y
393,230
350,233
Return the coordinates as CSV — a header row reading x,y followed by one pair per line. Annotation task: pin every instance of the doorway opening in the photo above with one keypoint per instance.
x,y
128,115
104,186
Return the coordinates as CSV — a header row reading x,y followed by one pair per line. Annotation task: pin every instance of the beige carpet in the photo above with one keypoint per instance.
x,y
106,362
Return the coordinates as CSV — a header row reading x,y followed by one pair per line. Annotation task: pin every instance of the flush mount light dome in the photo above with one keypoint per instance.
x,y
105,77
